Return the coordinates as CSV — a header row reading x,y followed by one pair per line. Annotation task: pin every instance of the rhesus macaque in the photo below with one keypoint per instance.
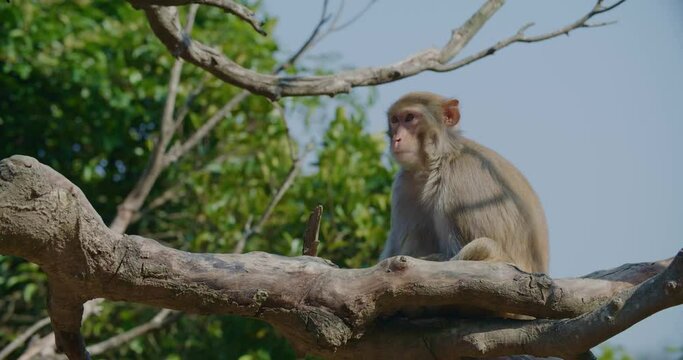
x,y
454,198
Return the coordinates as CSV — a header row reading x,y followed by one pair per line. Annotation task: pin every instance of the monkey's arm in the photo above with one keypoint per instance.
x,y
411,231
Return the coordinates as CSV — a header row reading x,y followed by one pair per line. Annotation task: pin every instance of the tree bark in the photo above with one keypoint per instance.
x,y
397,308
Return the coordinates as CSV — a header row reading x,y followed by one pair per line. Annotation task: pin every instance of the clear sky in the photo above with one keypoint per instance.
x,y
594,119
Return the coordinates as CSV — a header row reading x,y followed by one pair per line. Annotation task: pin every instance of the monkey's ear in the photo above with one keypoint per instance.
x,y
451,112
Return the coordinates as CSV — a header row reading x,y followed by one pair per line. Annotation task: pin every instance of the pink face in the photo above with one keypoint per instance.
x,y
403,129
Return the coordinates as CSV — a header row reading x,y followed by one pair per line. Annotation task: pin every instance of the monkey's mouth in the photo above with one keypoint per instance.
x,y
401,151
406,158
402,154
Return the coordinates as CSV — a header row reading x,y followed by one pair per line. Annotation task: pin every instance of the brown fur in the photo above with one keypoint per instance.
x,y
455,197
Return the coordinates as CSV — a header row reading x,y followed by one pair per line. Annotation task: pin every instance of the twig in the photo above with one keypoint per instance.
x,y
333,27
308,43
275,87
185,109
174,191
38,346
292,151
21,339
159,321
179,150
312,231
279,193
521,37
354,18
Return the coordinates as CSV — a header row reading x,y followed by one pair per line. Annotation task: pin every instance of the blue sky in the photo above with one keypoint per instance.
x,y
594,119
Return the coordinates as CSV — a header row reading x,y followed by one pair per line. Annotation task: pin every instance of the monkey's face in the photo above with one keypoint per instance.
x,y
404,132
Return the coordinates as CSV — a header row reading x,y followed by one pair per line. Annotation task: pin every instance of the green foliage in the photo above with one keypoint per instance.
x,y
608,352
82,87
354,187
678,350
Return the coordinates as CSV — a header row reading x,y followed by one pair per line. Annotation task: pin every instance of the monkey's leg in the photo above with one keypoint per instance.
x,y
483,249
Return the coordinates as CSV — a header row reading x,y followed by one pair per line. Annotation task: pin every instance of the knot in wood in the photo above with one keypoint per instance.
x,y
541,281
607,317
260,296
9,167
398,263
6,170
615,305
672,287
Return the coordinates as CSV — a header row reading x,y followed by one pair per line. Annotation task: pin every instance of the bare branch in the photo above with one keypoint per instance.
x,y
159,321
179,150
21,339
521,37
39,347
353,18
167,123
250,230
308,43
599,9
185,109
230,6
580,23
163,23
162,318
292,151
333,27
466,32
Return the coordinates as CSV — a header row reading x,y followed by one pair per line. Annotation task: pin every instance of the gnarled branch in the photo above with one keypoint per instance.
x,y
163,21
230,6
321,308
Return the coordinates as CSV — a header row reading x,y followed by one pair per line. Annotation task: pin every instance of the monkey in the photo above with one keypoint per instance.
x,y
454,198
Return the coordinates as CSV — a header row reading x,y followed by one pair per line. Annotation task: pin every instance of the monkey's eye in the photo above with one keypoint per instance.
x,y
394,119
409,117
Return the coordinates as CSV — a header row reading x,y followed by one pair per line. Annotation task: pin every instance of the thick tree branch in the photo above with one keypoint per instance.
x,y
164,24
560,338
162,21
130,206
322,309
